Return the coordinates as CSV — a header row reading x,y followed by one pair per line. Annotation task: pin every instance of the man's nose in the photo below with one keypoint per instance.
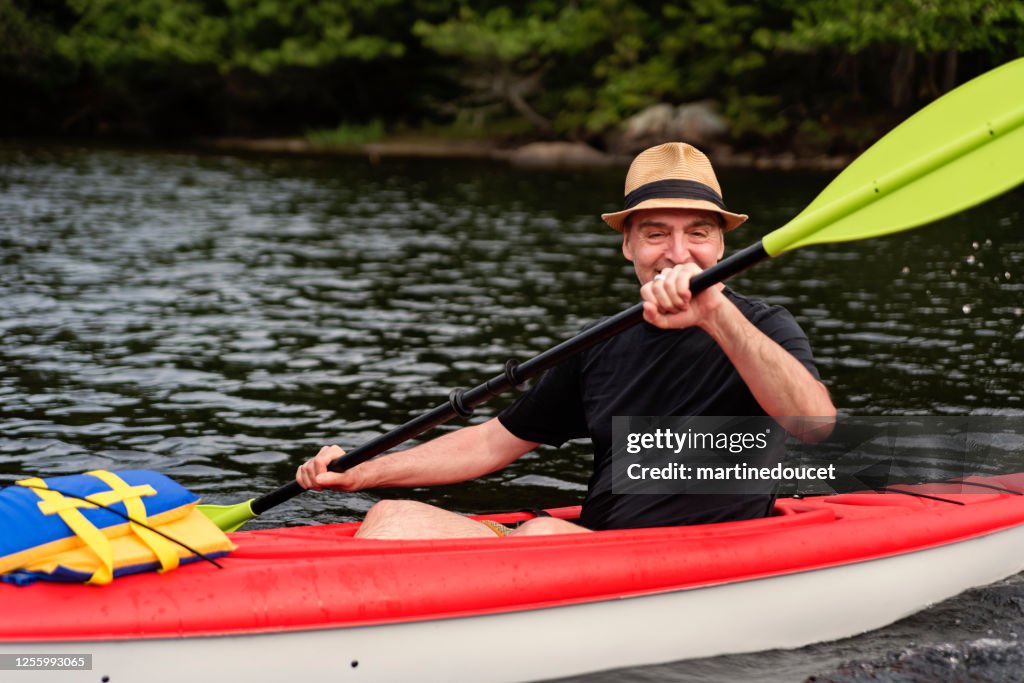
x,y
677,250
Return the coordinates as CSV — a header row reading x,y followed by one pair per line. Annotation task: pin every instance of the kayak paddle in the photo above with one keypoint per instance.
x,y
961,150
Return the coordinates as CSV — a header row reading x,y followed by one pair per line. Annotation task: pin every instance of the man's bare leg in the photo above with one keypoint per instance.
x,y
545,526
409,519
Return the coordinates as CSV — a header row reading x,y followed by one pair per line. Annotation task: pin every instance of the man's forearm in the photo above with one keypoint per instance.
x,y
461,455
783,387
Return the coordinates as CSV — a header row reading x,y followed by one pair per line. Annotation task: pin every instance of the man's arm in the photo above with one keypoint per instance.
x,y
782,386
461,455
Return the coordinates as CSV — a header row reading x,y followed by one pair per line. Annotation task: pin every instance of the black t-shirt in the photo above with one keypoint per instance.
x,y
649,371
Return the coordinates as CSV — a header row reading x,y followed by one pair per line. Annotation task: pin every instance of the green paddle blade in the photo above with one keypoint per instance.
x,y
960,150
229,517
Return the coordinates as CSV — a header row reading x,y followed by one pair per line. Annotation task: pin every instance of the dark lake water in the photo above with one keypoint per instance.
x,y
219,318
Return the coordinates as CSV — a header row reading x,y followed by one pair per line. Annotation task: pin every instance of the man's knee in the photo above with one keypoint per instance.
x,y
387,510
545,526
409,519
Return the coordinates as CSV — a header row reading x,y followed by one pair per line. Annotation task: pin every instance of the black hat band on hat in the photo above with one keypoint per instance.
x,y
673,189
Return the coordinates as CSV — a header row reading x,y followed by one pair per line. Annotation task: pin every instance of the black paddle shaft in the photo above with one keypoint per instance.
x,y
462,402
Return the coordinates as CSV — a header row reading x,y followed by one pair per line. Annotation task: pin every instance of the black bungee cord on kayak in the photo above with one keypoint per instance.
x,y
1003,489
987,486
128,518
915,494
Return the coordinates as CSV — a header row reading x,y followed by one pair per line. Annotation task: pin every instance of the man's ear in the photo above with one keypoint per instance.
x,y
627,251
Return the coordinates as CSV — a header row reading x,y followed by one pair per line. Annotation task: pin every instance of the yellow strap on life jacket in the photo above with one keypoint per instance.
x,y
166,551
68,509
92,537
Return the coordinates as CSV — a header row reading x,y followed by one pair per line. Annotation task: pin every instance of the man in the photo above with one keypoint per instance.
x,y
716,353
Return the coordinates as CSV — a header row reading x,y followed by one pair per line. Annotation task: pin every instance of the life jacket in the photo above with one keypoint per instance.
x,y
55,529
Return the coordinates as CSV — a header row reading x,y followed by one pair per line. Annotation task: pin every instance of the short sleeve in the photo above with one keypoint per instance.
x,y
550,412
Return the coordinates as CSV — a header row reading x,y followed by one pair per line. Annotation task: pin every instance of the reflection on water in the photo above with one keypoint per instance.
x,y
220,318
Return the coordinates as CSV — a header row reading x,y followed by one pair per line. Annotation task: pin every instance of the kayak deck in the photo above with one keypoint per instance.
x,y
320,577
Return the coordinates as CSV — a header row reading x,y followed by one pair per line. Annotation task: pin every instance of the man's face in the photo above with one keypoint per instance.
x,y
656,239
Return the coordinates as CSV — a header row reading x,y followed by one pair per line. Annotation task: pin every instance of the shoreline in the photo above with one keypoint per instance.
x,y
539,155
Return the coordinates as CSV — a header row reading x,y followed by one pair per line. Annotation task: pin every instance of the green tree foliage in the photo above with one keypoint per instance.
x,y
817,73
264,35
25,41
926,26
33,73
261,35
604,60
159,65
870,62
503,55
916,37
629,68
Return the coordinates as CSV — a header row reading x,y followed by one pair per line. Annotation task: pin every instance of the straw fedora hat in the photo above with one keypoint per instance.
x,y
672,176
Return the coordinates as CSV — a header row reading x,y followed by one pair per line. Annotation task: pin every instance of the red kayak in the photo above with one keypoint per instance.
x,y
317,604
